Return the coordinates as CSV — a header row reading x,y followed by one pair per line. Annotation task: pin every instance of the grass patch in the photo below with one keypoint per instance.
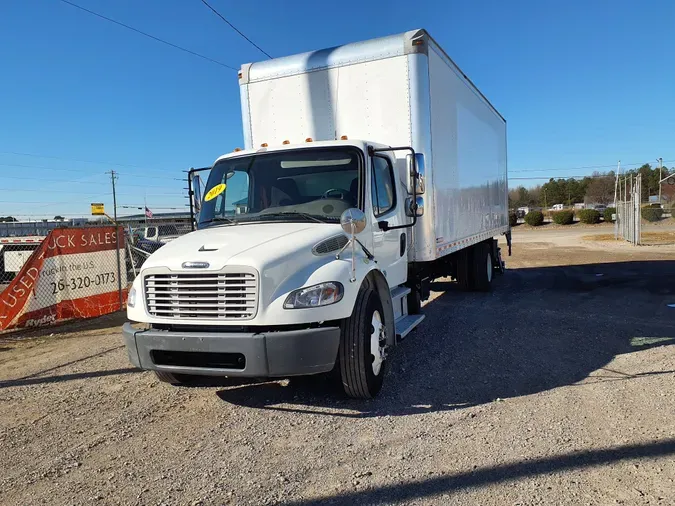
x,y
647,341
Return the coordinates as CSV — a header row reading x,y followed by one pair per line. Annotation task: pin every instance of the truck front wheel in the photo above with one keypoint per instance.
x,y
173,379
363,347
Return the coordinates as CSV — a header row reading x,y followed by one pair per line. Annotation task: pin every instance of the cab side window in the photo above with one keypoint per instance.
x,y
383,193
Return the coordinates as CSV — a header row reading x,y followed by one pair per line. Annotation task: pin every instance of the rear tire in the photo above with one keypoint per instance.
x,y
362,372
483,267
465,272
414,300
171,378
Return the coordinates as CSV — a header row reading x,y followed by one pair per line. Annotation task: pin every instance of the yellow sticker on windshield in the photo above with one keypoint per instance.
x,y
215,191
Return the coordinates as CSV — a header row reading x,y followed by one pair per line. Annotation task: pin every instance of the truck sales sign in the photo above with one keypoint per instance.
x,y
73,274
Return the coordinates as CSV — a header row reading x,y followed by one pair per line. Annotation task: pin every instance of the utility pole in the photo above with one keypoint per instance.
x,y
113,177
660,160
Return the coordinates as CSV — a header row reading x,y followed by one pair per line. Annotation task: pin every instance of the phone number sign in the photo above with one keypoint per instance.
x,y
73,274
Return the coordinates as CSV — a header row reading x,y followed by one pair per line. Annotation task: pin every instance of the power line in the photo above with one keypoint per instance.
x,y
52,157
59,169
547,178
586,167
148,35
69,181
141,208
85,161
235,29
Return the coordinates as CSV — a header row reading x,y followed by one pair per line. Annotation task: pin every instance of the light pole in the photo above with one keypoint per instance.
x,y
660,160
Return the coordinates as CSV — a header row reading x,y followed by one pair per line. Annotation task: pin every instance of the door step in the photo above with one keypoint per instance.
x,y
406,324
399,301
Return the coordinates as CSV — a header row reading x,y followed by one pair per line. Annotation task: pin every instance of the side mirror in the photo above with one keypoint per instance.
x,y
416,208
197,192
353,221
416,172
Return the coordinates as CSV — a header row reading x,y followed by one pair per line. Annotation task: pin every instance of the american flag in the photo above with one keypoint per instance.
x,y
148,212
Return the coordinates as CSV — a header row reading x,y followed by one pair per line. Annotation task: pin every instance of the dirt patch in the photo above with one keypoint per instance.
x,y
648,238
554,226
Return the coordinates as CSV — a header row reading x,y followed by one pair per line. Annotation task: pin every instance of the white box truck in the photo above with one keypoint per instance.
x,y
369,170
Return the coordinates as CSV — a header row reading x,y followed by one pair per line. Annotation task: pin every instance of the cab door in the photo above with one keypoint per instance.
x,y
389,246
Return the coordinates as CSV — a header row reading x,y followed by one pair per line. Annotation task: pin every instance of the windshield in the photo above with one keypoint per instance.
x,y
305,184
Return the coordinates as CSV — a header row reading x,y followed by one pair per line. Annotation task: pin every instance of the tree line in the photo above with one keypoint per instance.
x,y
595,189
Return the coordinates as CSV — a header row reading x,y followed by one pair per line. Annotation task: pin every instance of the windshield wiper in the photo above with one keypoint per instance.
x,y
217,219
313,217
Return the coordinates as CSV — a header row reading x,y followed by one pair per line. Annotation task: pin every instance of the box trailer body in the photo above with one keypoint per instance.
x,y
14,252
368,171
401,90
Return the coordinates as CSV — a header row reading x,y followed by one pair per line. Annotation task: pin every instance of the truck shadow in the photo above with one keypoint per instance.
x,y
539,329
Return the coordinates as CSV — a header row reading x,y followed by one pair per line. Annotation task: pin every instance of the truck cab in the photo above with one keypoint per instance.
x,y
160,233
289,242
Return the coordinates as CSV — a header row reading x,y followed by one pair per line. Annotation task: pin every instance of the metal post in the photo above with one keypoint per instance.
x,y
660,177
191,197
616,181
113,176
638,218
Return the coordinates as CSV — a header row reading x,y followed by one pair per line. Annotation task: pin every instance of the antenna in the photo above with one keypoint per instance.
x,y
337,101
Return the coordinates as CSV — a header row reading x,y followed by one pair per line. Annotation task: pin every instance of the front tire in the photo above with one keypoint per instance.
x,y
171,378
362,347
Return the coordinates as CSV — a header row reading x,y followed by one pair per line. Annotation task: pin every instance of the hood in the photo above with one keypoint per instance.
x,y
254,244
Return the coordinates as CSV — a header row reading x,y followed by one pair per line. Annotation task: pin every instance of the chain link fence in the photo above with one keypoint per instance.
x,y
628,224
74,272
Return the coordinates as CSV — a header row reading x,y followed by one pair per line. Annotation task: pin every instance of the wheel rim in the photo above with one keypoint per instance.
x,y
489,267
376,338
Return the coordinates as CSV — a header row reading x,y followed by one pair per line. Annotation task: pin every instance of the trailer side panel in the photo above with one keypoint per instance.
x,y
468,166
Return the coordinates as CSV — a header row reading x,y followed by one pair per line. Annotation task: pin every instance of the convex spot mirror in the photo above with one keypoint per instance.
x,y
353,220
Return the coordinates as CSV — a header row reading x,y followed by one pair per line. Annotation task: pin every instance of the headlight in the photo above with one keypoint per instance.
x,y
314,296
131,299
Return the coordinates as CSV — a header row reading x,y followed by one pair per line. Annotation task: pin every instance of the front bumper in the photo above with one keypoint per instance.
x,y
258,355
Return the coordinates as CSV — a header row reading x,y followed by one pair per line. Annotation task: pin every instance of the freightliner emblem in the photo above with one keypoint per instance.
x,y
195,265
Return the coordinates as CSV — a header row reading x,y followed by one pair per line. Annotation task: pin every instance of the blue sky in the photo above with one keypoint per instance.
x,y
581,83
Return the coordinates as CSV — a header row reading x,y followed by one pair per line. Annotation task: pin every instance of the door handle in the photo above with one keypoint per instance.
x,y
403,243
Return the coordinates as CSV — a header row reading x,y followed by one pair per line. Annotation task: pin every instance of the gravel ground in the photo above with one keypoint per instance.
x,y
556,388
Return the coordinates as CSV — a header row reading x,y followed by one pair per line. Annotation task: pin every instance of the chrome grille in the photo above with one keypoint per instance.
x,y
218,296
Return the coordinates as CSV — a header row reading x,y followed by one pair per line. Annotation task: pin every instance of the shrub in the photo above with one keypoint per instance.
x,y
607,215
589,216
534,218
513,219
652,213
563,217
